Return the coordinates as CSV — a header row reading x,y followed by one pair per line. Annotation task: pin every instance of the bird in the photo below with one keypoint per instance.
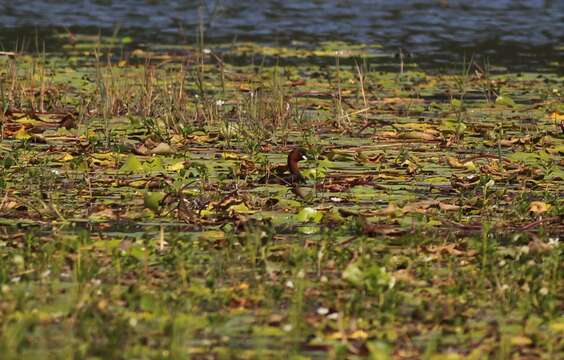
x,y
280,176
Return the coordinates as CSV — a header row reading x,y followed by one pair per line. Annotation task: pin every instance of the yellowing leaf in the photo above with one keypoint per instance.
x,y
28,120
176,140
138,53
243,286
240,209
557,326
104,156
209,211
244,88
470,166
212,235
454,162
556,116
66,157
21,134
138,184
448,207
539,207
99,162
230,156
430,135
457,164
359,334
389,135
202,138
176,166
521,340
162,149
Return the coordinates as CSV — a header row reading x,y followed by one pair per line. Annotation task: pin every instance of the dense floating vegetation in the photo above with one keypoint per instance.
x,y
134,224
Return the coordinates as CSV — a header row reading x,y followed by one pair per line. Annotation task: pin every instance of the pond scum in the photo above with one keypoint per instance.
x,y
133,223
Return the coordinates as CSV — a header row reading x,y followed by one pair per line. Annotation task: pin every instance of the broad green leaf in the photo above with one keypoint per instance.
x,y
308,214
152,200
132,165
505,101
354,275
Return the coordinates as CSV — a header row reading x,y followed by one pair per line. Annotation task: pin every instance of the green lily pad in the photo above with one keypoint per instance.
x,y
151,200
308,214
132,165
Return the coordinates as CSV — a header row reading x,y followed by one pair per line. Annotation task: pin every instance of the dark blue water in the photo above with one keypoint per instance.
x,y
524,33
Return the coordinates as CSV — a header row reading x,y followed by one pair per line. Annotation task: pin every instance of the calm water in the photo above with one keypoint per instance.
x,y
519,34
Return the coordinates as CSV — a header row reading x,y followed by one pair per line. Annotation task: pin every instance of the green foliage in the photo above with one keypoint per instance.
x,y
133,222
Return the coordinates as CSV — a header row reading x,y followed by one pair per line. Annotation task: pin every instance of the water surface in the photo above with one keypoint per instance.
x,y
519,34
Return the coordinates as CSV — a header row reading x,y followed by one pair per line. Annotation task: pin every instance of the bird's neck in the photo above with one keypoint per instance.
x,y
293,167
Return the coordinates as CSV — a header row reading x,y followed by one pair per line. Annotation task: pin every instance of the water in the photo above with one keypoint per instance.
x,y
519,34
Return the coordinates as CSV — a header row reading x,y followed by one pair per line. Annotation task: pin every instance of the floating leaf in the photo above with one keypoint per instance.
x,y
153,165
241,208
308,230
151,200
308,214
556,116
21,134
162,149
126,40
177,166
528,157
557,326
105,214
505,101
448,207
212,235
454,162
456,103
132,165
379,350
539,207
521,340
66,157
453,127
353,274
429,135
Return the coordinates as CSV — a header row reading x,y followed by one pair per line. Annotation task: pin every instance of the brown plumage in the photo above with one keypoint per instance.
x,y
280,176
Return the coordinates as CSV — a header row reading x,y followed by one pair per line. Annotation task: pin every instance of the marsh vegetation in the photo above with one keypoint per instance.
x,y
133,222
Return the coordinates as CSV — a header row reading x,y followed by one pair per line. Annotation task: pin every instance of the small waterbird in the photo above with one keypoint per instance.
x,y
280,176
